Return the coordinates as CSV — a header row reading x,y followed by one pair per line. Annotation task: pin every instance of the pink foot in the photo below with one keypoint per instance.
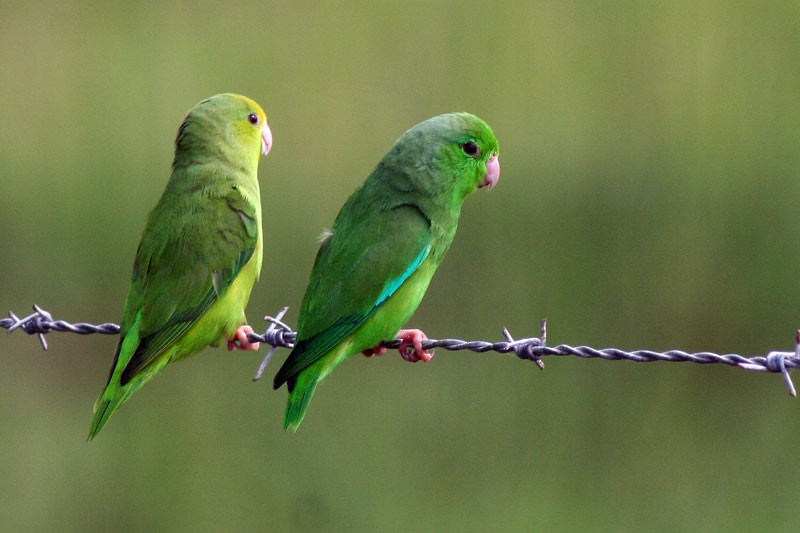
x,y
378,350
406,336
415,337
240,340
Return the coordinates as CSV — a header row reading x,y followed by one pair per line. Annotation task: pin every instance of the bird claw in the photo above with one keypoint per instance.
x,y
240,341
378,350
414,337
410,347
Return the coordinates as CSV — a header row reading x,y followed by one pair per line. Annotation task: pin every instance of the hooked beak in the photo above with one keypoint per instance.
x,y
266,138
492,173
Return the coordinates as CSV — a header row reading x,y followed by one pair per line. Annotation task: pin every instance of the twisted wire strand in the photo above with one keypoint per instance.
x,y
280,335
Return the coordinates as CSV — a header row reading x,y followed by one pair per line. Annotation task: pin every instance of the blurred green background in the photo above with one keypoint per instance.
x,y
650,155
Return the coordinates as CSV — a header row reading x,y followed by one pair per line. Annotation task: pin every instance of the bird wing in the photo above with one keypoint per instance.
x,y
183,265
357,269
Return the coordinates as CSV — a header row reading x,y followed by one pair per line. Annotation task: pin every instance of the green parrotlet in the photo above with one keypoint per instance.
x,y
374,265
200,252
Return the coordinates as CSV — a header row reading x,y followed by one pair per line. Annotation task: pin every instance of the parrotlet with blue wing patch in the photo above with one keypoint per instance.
x,y
374,265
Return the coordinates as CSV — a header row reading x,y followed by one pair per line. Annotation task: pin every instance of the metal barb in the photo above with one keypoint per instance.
x,y
776,362
274,323
543,330
525,348
280,335
34,323
43,315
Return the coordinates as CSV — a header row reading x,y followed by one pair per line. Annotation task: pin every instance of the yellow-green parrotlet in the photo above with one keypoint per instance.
x,y
200,252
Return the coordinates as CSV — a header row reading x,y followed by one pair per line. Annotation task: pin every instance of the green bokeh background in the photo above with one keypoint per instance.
x,y
650,155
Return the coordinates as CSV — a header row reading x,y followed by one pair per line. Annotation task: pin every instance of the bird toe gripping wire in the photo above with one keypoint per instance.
x,y
280,335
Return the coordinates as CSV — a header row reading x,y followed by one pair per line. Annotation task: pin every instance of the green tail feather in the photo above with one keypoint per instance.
x,y
299,398
112,399
302,386
103,410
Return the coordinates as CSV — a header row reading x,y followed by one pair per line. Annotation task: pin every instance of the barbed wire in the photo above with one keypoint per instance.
x,y
280,335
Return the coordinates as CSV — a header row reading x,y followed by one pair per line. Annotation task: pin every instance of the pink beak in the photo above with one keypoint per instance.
x,y
266,138
492,173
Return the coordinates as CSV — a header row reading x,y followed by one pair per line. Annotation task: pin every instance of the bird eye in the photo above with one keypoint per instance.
x,y
253,119
471,149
